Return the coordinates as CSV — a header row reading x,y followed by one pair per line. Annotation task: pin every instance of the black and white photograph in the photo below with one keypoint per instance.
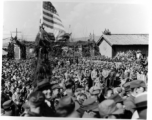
x,y
75,59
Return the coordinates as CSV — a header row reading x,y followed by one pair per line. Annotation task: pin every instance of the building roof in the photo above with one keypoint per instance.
x,y
96,38
125,39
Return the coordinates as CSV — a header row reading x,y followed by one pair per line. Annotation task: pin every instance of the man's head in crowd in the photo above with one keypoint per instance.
x,y
35,100
109,93
137,87
70,87
81,98
17,90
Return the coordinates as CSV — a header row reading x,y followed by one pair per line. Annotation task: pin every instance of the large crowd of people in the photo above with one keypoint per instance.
x,y
79,88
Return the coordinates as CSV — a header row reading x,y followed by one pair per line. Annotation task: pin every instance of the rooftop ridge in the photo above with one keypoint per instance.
x,y
130,34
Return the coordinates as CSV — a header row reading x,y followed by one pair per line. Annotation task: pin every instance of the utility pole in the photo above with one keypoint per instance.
x,y
16,32
20,48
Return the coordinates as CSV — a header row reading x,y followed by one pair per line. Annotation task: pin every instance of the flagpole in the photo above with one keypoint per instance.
x,y
41,13
70,32
93,35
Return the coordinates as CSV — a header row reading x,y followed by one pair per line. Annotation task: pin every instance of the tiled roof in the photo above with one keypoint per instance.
x,y
126,39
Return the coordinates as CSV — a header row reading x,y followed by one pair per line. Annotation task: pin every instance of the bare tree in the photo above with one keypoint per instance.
x,y
106,32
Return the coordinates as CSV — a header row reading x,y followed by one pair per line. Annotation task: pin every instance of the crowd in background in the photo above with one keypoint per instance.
x,y
81,88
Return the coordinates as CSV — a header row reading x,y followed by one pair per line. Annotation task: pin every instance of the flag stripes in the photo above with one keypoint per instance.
x,y
52,21
50,17
49,25
49,13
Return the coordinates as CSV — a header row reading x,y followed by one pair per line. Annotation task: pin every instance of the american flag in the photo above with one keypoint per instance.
x,y
51,19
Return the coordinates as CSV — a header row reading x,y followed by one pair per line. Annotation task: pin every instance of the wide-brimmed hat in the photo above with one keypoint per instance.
x,y
117,98
108,107
95,90
90,104
137,83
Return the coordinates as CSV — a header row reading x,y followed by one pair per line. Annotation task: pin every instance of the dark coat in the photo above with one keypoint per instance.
x,y
111,78
130,103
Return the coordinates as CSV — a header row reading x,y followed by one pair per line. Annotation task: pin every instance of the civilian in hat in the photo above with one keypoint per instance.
x,y
35,102
136,87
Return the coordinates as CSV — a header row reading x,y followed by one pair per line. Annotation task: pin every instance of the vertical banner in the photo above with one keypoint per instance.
x,y
17,52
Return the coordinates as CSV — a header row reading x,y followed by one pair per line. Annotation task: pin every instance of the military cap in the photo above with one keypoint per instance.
x,y
137,83
7,104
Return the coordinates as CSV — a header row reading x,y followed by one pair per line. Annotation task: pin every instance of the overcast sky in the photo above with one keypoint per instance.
x,y
84,18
